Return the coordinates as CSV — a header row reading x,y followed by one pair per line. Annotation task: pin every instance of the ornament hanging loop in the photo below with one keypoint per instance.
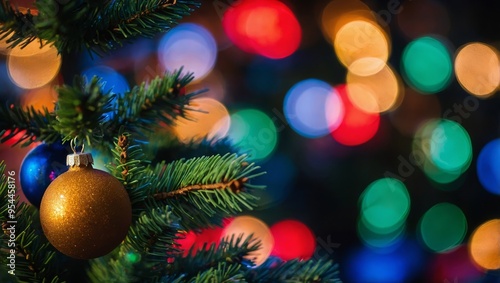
x,y
73,144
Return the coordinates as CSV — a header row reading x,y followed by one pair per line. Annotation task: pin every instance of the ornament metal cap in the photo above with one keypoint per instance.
x,y
80,159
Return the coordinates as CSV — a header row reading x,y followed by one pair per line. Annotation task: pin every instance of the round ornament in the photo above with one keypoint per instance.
x,y
85,213
40,167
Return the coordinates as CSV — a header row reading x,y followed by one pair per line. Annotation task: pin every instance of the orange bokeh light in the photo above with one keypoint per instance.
x,y
265,27
477,67
484,245
362,46
376,93
211,119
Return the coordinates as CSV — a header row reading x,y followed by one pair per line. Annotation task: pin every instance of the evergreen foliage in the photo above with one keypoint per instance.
x,y
196,188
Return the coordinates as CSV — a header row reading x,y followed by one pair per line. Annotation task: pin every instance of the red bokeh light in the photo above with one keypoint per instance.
x,y
185,241
455,264
292,239
265,27
357,127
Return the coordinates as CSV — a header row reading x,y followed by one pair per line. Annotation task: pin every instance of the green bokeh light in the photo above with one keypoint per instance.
x,y
443,227
427,65
254,133
385,205
132,257
379,240
451,148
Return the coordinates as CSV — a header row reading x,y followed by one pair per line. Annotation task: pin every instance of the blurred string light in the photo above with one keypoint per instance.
x,y
254,133
313,108
209,119
246,226
423,17
281,173
477,69
426,64
380,241
293,240
265,27
488,167
414,110
34,65
484,245
443,227
111,80
190,46
444,150
375,93
357,126
369,265
385,205
337,13
362,46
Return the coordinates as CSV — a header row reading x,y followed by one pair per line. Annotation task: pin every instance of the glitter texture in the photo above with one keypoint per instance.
x,y
85,213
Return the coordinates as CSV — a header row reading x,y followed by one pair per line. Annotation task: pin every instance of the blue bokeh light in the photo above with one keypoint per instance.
x,y
313,108
488,167
111,79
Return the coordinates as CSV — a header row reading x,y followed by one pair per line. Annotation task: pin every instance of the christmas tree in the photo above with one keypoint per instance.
x,y
125,225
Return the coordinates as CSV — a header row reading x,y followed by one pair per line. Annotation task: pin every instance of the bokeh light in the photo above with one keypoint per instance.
x,y
340,12
379,92
265,27
443,149
484,245
244,226
190,46
396,266
413,111
488,166
33,66
385,204
209,119
427,65
293,240
357,127
443,227
313,108
254,133
380,240
186,240
477,69
111,80
362,46
40,98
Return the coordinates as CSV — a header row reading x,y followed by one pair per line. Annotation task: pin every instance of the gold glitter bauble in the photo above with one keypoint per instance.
x,y
85,213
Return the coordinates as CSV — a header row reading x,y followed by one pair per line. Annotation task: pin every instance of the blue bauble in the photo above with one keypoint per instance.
x,y
39,168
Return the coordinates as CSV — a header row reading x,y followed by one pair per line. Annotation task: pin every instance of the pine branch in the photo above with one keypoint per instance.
x,y
202,191
230,251
35,259
16,25
34,125
154,102
81,110
294,272
223,273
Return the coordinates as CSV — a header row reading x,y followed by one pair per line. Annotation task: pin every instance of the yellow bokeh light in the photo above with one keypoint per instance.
x,y
362,46
477,68
244,226
340,12
380,92
33,67
211,119
484,245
